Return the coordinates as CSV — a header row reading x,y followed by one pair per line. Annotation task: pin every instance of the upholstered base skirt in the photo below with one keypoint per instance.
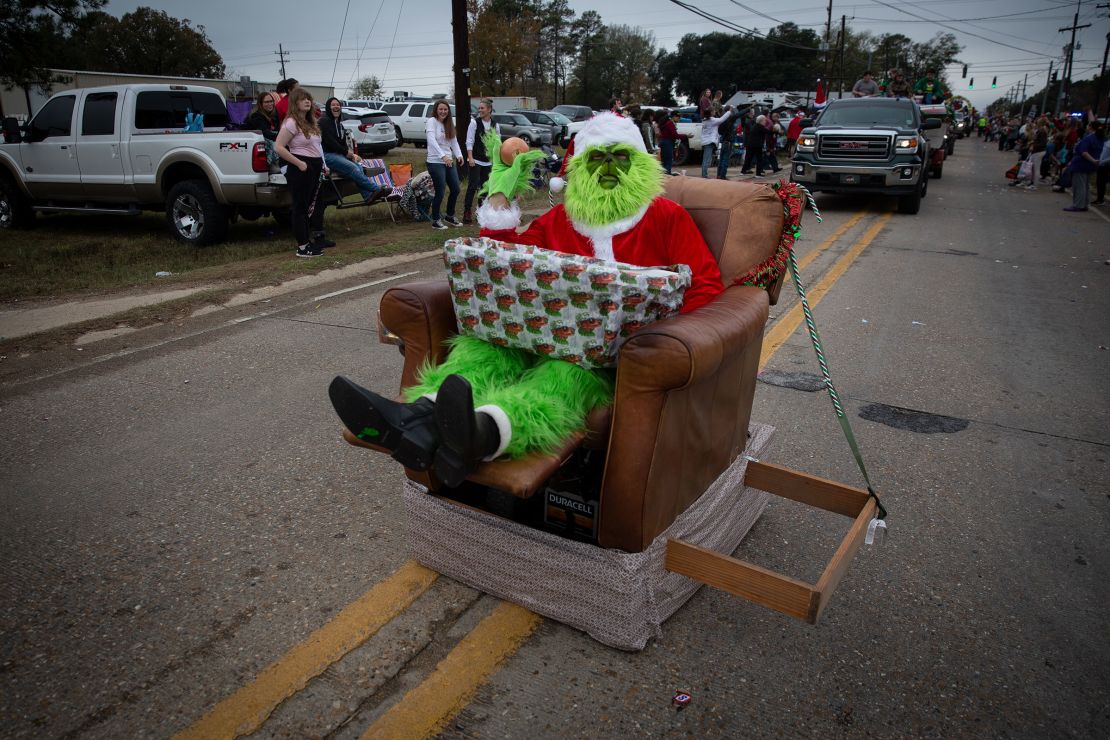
x,y
620,599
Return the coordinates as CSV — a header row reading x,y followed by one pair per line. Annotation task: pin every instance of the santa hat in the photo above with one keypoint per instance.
x,y
604,129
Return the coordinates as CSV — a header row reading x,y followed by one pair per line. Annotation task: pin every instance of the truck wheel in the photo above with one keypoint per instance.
x,y
526,139
938,170
15,207
400,139
194,215
681,152
950,149
911,204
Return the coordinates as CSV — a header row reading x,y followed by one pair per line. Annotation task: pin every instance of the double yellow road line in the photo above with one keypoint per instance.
x,y
426,708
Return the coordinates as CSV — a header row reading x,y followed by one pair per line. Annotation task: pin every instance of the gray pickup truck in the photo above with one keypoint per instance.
x,y
122,150
867,145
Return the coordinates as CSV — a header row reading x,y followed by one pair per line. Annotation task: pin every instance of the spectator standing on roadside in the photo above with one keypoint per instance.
x,y
646,122
298,143
338,155
710,139
772,161
1103,173
726,132
1083,163
477,156
444,158
865,87
718,102
793,131
615,106
751,151
668,134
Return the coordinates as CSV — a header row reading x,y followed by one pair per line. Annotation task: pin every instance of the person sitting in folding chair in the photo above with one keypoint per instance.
x,y
339,157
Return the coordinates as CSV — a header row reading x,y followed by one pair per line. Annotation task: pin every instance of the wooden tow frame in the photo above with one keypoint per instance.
x,y
776,591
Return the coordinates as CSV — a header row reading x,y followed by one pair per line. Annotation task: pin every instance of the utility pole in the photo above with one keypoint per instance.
x,y
1066,92
1102,72
462,69
828,33
1021,113
282,53
1047,84
842,19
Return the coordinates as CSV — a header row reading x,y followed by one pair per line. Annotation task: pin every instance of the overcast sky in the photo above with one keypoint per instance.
x,y
407,43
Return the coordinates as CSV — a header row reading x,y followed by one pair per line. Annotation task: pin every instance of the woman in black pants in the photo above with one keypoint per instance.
x,y
477,156
298,143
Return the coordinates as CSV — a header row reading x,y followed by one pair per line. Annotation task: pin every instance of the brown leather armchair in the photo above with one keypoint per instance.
x,y
684,385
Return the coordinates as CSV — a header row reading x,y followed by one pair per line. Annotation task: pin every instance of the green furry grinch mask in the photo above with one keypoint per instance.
x,y
607,183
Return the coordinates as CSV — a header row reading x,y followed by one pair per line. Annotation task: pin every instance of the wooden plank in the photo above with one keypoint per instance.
x,y
838,566
781,593
807,489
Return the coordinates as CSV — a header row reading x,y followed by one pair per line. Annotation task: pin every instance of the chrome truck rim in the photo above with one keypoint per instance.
x,y
187,216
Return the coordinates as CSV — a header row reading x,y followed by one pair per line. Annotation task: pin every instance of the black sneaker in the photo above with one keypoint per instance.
x,y
438,225
451,220
321,241
309,250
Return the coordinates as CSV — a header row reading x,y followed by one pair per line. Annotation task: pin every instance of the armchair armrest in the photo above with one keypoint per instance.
x,y
683,350
680,413
422,315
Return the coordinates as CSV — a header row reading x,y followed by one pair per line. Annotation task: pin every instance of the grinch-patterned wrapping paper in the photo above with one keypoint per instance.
x,y
575,308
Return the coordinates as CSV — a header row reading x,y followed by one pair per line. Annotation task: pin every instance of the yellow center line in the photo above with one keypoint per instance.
x,y
244,711
804,261
784,328
425,709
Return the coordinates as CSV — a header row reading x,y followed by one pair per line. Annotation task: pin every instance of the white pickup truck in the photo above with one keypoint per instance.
x,y
122,150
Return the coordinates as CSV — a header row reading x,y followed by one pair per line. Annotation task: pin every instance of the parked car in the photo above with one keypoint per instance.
x,y
575,113
120,150
514,124
409,119
371,130
556,123
578,115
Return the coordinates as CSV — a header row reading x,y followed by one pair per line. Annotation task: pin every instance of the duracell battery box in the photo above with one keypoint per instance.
x,y
570,514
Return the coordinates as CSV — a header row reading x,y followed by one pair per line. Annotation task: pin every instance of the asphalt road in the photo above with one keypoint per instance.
x,y
180,513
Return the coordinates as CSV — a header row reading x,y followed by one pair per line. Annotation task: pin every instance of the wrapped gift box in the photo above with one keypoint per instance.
x,y
578,309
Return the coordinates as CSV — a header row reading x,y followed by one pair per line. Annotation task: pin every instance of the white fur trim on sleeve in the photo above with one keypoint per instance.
x,y
504,428
498,218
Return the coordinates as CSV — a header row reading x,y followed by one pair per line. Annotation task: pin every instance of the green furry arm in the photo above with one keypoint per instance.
x,y
509,180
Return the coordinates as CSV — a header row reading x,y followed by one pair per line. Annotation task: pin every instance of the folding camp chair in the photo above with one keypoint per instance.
x,y
343,187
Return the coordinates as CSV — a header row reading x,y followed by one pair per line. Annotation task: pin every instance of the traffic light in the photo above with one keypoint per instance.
x,y
994,82
965,70
971,85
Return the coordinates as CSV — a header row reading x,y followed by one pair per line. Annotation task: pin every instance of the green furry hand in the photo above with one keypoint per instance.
x,y
509,180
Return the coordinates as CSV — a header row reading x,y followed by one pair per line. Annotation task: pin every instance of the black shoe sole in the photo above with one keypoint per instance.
x,y
384,422
455,422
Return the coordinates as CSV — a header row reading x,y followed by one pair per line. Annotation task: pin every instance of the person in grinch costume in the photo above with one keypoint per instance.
x,y
486,401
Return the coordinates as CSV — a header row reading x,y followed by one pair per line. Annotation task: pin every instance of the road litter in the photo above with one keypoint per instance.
x,y
864,321
681,699
162,273
917,323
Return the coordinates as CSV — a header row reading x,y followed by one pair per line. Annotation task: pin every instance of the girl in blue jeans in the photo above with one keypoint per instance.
x,y
444,158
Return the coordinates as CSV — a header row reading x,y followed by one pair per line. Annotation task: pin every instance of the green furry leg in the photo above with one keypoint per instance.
x,y
486,367
549,403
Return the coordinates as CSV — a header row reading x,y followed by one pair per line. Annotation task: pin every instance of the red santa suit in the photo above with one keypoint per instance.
x,y
660,234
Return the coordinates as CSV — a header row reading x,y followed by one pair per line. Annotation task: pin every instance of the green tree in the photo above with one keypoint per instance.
x,y
503,38
32,35
145,41
366,87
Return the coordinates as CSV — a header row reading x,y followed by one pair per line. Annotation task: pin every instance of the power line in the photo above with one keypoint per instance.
x,y
369,33
389,56
960,30
738,28
342,28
